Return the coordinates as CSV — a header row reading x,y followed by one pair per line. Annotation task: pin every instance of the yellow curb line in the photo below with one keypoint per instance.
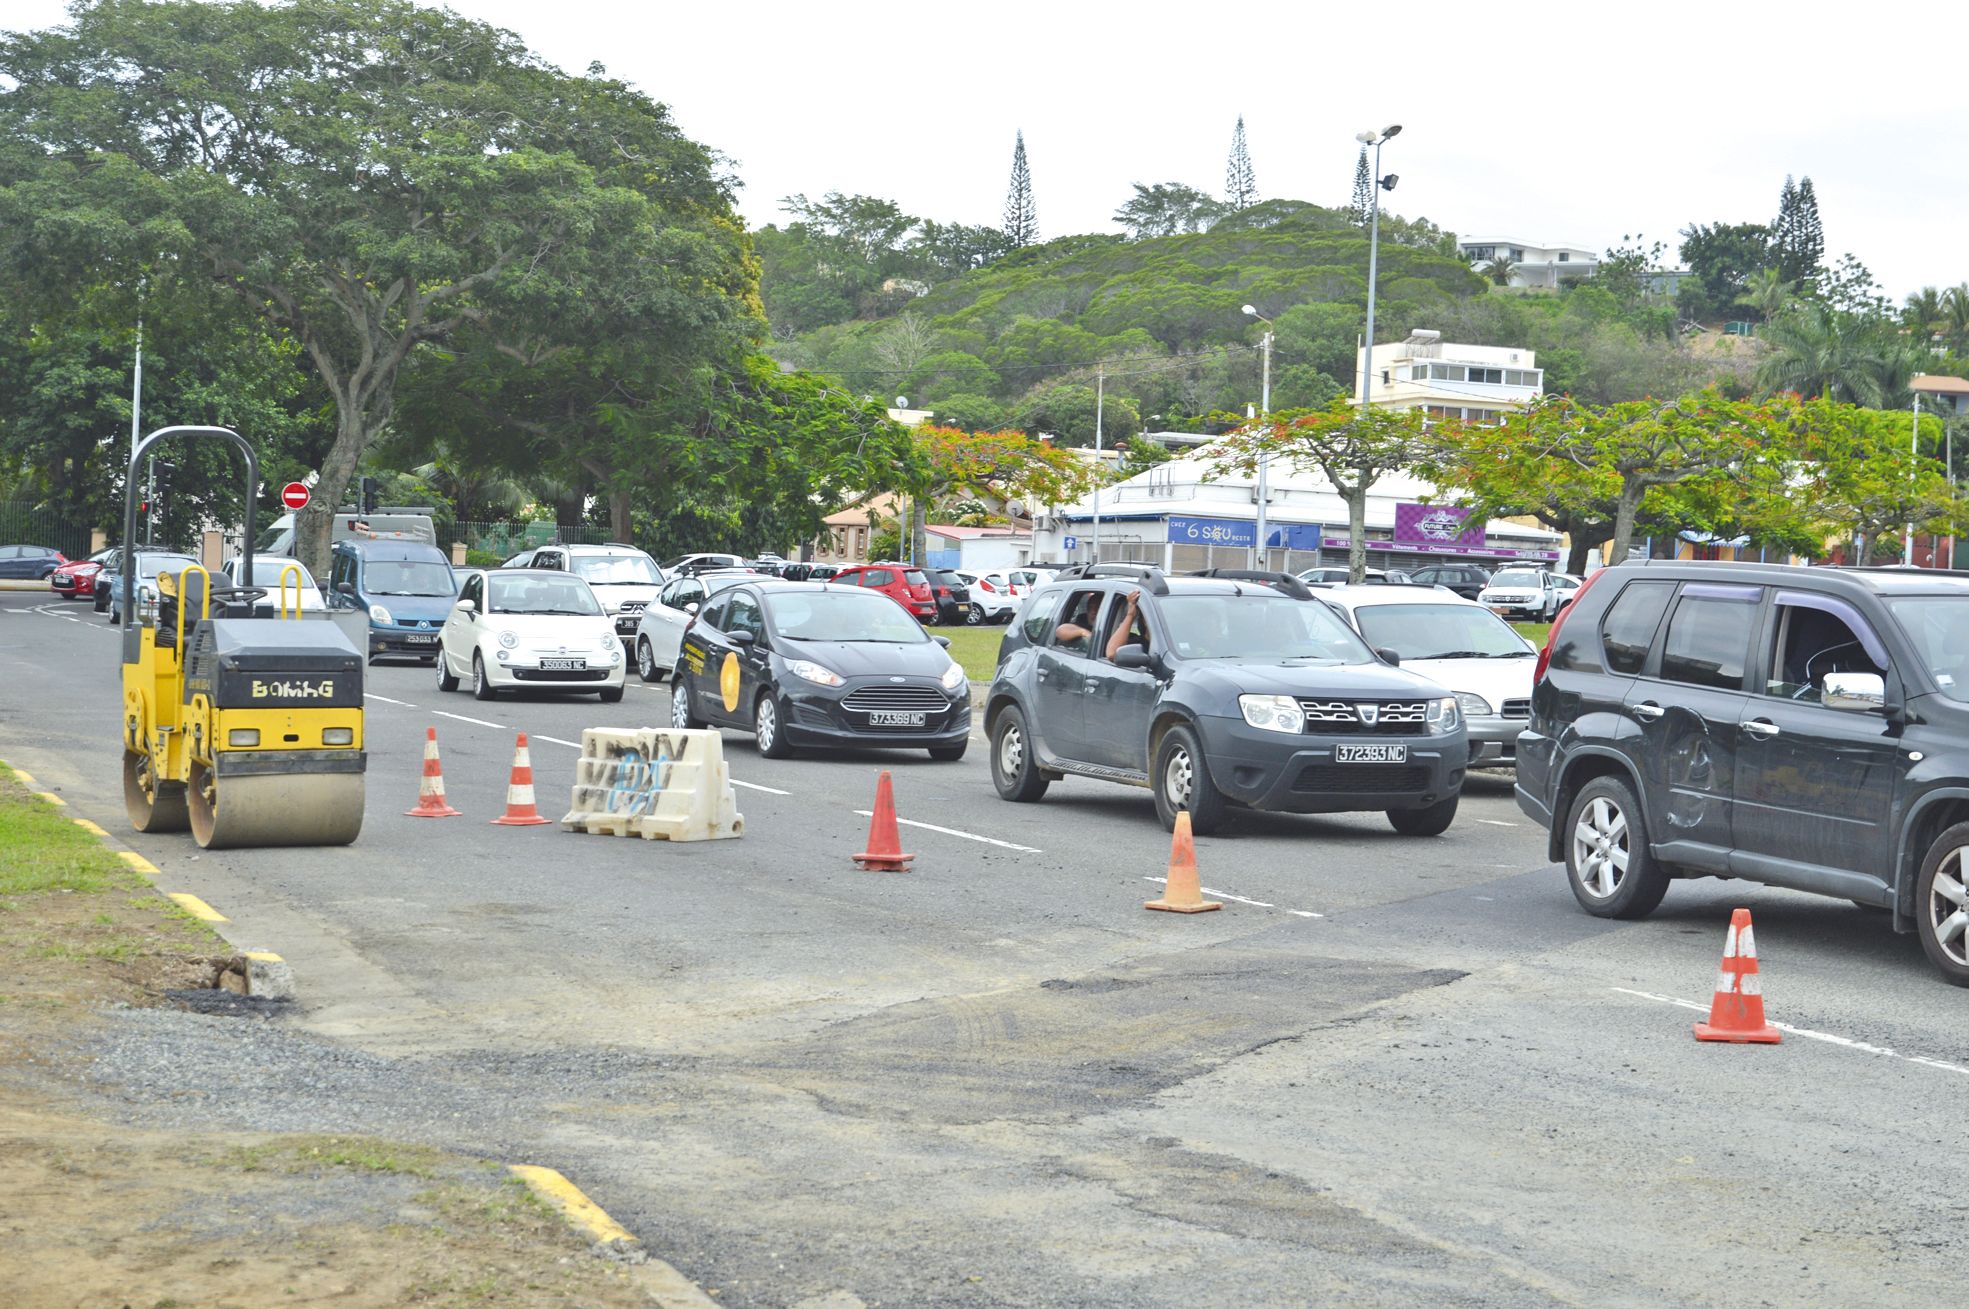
x,y
663,1284
264,957
26,778
138,862
197,908
90,828
52,798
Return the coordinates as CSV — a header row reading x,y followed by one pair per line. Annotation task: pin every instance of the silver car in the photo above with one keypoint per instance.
x,y
661,630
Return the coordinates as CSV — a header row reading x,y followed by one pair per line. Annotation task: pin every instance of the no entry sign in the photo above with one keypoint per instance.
x,y
294,496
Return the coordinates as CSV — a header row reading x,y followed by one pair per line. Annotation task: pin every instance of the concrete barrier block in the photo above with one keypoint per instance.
x,y
656,783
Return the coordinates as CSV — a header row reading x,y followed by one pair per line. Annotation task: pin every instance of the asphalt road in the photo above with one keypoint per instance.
x,y
1391,1071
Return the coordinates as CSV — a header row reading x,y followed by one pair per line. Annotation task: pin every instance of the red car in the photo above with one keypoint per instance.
x,y
903,583
77,579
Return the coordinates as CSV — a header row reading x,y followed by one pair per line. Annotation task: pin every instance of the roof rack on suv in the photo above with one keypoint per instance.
x,y
1149,575
1293,586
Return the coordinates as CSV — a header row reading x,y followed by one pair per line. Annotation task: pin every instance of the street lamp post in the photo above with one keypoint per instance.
x,y
1100,404
1375,139
1263,549
1914,455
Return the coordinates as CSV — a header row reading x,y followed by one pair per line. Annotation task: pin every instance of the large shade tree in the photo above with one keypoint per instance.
x,y
370,175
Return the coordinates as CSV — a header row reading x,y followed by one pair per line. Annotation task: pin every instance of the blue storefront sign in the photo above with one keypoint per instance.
x,y
1242,534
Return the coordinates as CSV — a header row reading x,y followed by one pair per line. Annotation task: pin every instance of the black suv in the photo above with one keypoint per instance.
x,y
1226,688
1799,727
1467,580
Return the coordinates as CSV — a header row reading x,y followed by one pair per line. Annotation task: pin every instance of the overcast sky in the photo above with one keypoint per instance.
x,y
1541,123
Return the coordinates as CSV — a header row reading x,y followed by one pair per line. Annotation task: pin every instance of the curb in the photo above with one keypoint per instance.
x,y
25,584
662,1283
257,974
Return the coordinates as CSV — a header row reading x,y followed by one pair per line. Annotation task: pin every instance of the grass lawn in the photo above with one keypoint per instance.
x,y
1533,632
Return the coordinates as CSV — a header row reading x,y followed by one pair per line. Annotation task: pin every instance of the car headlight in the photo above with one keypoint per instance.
x,y
608,640
1273,713
145,594
1442,717
380,615
509,639
953,676
1473,705
813,672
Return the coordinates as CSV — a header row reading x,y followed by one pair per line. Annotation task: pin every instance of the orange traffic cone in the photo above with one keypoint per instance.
x,y
1737,1011
430,791
884,853
519,792
1183,892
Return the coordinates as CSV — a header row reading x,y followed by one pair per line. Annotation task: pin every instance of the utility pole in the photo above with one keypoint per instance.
x,y
1262,551
1914,453
136,411
1375,139
1100,405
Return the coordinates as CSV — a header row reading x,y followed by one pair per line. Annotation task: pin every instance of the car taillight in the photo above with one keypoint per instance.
x,y
985,582
1551,638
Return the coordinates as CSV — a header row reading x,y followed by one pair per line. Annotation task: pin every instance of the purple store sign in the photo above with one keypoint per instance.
x,y
1437,527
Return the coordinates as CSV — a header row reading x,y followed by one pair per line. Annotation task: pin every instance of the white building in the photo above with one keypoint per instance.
x,y
1177,516
1474,383
1532,264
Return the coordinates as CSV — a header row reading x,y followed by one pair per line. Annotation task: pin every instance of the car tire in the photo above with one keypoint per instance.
x,y
681,717
1941,915
610,695
447,680
482,688
1430,820
101,603
1603,827
767,729
1014,766
975,615
646,661
949,754
1181,779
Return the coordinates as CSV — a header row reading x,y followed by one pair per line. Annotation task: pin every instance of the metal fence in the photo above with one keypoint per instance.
x,y
25,523
507,539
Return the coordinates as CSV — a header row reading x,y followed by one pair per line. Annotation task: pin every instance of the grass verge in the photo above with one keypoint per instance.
x,y
974,647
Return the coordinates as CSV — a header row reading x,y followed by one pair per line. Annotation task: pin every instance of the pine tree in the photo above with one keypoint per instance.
x,y
1021,216
1363,189
1810,242
1784,231
1240,183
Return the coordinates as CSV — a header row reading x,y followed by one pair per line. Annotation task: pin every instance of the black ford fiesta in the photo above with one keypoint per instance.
x,y
811,664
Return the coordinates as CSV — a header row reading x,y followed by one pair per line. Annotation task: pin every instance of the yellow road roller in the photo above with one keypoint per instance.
x,y
246,729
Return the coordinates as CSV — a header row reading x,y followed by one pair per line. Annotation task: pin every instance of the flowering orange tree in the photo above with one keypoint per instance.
x,y
1009,464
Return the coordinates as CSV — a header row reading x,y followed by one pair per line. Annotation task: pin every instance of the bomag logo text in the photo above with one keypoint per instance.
x,y
321,690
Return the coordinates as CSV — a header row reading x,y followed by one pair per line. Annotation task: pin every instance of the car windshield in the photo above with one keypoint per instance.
x,y
842,616
1259,626
1938,627
1516,577
409,577
615,570
152,565
1445,631
541,593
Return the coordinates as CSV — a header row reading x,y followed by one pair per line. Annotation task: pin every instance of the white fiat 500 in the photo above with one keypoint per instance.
x,y
515,629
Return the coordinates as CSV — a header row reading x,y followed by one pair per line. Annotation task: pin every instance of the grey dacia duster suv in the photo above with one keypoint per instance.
x,y
1228,688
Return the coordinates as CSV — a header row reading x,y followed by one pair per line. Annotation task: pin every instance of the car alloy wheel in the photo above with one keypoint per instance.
x,y
974,616
765,724
1601,847
680,707
1948,909
1178,778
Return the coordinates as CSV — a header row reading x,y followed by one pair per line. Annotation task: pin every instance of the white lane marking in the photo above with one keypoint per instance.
x,y
1305,913
968,836
1830,1038
1257,904
476,722
371,695
555,740
774,790
1496,822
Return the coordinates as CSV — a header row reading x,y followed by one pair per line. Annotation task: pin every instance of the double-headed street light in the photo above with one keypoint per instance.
x,y
1375,139
1262,552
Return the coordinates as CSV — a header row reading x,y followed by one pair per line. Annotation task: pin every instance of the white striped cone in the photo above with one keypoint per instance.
x,y
520,810
430,788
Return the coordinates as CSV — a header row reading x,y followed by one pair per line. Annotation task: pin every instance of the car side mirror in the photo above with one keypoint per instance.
x,y
345,588
691,608
1133,656
1388,657
1859,693
943,641
468,607
741,639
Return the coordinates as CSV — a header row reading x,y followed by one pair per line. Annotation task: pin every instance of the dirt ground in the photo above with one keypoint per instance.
x,y
95,1213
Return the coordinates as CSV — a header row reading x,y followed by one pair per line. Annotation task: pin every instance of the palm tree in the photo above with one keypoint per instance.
x,y
1924,314
1499,270
1817,351
1766,293
1955,317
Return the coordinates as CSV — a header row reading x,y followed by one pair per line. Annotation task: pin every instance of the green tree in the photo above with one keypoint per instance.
x,y
1865,481
1818,351
1240,182
1008,465
1722,257
1067,411
1166,209
971,413
1797,235
370,176
1141,454
1021,214
1363,201
1766,293
1352,447
1498,271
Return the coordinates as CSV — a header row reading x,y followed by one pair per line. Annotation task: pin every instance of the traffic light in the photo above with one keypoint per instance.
x,y
371,490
